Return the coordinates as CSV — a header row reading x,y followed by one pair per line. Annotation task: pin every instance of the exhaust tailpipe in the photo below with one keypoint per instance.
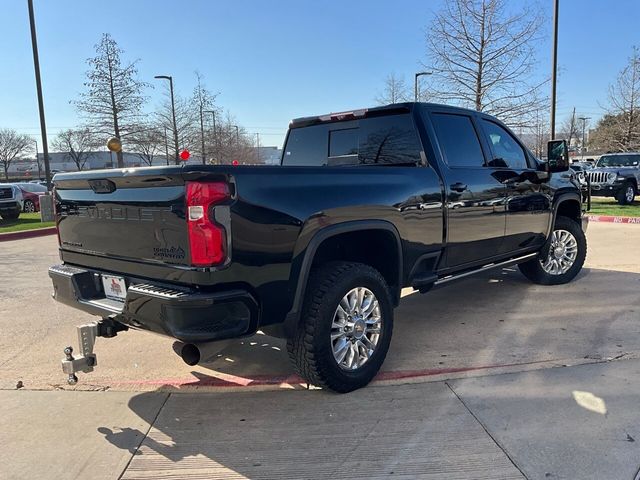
x,y
195,353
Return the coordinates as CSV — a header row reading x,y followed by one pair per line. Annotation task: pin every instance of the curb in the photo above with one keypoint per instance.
x,y
36,232
613,219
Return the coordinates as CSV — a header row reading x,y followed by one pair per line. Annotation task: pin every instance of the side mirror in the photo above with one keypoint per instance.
x,y
557,156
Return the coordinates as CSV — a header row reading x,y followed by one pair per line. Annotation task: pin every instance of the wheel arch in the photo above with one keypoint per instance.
x,y
567,205
322,246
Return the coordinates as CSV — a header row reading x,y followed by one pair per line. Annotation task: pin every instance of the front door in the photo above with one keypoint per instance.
x,y
528,202
475,197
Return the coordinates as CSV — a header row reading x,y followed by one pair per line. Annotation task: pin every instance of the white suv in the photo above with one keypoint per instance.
x,y
11,201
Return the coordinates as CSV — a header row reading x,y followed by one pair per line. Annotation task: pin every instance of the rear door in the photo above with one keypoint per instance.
x,y
528,201
474,195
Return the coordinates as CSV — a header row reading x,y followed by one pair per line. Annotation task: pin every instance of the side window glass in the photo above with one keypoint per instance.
x,y
458,139
390,140
508,152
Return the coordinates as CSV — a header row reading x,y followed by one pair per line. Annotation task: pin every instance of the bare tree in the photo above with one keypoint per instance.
x,y
619,130
13,145
77,144
113,96
147,143
202,100
395,91
482,56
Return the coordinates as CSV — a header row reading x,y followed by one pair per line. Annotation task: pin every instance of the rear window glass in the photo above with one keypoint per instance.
x,y
458,140
343,142
389,140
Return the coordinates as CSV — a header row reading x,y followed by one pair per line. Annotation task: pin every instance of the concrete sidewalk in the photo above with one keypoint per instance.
x,y
577,422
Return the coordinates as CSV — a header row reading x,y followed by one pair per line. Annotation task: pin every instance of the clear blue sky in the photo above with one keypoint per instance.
x,y
273,61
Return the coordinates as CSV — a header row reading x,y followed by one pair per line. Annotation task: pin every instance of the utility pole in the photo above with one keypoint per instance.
x,y
204,161
38,161
215,145
554,67
258,146
166,146
584,124
173,113
36,67
415,84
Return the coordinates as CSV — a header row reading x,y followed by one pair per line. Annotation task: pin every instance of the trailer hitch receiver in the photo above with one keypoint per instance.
x,y
87,360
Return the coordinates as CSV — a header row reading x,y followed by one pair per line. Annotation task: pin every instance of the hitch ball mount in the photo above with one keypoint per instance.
x,y
87,335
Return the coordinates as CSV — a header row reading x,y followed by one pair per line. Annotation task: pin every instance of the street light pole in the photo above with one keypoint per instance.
x,y
554,67
237,135
173,113
36,67
584,124
415,84
204,156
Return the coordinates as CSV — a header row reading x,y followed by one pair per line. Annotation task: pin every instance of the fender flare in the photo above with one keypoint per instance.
x,y
318,238
564,197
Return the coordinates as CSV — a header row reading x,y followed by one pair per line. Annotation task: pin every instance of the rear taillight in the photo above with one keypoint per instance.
x,y
207,238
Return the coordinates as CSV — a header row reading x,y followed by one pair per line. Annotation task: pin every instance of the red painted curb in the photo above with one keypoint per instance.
x,y
229,380
36,232
613,219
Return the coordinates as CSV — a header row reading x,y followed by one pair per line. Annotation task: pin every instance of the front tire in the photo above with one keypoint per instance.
x,y
562,258
11,215
345,330
29,206
626,195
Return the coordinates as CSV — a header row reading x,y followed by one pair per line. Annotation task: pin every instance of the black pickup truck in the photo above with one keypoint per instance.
x,y
317,249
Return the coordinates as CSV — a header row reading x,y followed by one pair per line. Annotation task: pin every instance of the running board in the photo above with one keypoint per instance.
x,y
490,266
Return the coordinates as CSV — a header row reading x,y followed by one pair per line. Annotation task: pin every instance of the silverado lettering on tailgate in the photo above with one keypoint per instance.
x,y
141,214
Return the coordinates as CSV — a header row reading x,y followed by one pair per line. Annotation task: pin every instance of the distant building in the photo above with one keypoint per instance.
x,y
270,155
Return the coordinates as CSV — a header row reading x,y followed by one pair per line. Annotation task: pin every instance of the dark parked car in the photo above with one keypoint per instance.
x,y
616,175
318,249
31,193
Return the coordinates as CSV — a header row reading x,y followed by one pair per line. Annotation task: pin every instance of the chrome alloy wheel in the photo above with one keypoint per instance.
x,y
629,194
356,328
562,253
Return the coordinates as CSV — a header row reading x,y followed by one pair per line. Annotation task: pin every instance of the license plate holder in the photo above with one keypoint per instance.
x,y
115,288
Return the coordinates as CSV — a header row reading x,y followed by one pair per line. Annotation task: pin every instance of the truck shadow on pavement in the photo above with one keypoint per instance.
x,y
496,319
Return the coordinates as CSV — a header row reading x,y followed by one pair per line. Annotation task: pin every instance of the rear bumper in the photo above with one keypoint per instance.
x,y
186,314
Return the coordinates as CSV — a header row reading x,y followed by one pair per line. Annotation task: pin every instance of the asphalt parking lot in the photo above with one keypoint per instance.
x,y
470,389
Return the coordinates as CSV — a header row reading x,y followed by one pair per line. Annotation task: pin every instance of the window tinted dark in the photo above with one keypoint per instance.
x,y
343,142
389,140
307,146
458,139
507,151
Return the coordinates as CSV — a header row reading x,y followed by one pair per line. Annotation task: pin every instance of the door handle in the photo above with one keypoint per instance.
x,y
458,187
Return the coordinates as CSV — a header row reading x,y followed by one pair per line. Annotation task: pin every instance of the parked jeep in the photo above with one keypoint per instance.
x,y
616,175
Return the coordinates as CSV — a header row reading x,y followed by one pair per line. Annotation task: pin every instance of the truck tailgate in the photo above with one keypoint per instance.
x,y
128,214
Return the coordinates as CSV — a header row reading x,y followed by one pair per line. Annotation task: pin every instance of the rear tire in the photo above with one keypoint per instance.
x,y
327,331
626,195
550,269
